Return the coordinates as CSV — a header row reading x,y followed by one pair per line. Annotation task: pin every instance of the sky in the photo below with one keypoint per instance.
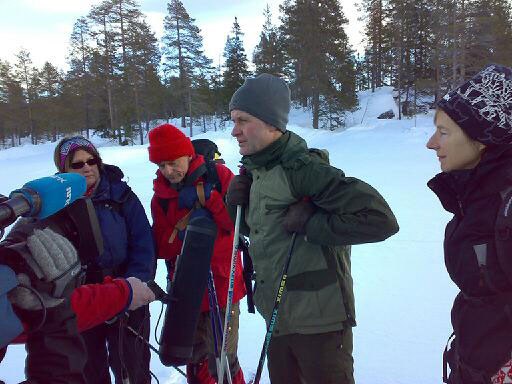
x,y
43,27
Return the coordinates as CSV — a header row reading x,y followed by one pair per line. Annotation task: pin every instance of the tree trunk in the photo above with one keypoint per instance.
x,y
315,105
190,112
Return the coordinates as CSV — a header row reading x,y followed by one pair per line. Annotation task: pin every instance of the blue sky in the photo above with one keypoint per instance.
x,y
43,26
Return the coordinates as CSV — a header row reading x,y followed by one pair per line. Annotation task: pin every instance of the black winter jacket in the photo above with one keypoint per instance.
x,y
482,312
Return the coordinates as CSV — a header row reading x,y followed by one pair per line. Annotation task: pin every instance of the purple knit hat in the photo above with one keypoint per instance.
x,y
482,106
68,145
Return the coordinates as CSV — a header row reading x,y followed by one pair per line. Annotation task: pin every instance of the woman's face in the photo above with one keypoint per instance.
x,y
453,147
79,165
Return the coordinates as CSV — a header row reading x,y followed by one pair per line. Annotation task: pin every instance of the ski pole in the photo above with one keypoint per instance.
x,y
137,335
275,311
213,321
229,302
216,322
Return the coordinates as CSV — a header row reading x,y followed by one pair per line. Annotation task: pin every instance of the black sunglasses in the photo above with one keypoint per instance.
x,y
81,164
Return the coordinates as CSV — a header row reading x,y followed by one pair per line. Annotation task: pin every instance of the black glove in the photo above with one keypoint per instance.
x,y
239,190
297,216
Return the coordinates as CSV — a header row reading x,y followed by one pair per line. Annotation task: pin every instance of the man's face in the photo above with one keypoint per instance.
x,y
251,133
175,170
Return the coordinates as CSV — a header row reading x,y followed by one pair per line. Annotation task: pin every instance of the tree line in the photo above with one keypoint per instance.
x,y
121,77
426,47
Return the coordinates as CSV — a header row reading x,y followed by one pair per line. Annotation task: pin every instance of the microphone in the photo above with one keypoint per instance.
x,y
42,197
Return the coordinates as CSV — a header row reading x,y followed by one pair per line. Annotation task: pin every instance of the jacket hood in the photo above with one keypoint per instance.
x,y
111,185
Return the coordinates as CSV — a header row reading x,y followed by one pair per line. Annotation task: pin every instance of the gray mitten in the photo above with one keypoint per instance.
x,y
56,262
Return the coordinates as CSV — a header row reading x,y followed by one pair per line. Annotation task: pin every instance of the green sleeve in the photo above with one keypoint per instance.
x,y
349,211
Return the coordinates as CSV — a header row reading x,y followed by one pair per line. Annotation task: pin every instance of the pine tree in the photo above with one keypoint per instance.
x,y
183,53
236,69
106,63
79,59
269,54
143,60
12,105
50,91
25,75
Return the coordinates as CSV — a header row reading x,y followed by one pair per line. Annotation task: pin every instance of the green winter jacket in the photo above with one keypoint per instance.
x,y
319,291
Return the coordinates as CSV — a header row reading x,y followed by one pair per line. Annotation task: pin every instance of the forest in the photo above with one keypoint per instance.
x,y
121,78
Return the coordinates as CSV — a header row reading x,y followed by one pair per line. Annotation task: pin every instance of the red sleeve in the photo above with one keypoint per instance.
x,y
162,231
97,303
215,204
94,304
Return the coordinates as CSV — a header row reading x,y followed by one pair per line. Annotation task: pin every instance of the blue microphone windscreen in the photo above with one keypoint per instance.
x,y
55,192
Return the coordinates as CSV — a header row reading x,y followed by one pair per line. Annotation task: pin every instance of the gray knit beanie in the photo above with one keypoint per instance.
x,y
265,97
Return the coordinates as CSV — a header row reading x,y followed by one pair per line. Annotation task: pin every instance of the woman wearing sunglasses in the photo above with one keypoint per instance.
x,y
128,251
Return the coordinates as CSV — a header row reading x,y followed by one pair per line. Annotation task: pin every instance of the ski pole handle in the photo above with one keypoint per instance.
x,y
159,292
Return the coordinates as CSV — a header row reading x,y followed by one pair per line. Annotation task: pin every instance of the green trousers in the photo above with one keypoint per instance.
x,y
324,358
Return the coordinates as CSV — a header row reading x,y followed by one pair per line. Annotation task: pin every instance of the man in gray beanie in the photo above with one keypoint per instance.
x,y
285,189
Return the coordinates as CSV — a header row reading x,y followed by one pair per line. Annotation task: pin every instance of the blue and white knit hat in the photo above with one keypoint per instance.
x,y
482,106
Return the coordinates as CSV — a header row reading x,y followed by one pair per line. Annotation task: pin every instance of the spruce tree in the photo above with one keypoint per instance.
x,y
269,54
236,69
316,42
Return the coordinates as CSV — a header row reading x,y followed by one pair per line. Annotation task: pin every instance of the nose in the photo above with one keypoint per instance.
x,y
433,142
235,131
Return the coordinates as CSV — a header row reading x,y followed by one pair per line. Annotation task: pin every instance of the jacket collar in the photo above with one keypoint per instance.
x,y
164,189
288,146
492,175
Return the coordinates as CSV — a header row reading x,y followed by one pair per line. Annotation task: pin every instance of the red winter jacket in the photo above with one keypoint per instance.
x,y
163,225
94,304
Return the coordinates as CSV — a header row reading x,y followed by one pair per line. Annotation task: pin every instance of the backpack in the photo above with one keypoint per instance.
x,y
208,149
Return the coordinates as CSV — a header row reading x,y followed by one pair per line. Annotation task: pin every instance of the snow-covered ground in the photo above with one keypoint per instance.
x,y
403,293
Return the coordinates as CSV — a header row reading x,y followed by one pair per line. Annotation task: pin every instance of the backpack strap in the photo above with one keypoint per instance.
x,y
183,222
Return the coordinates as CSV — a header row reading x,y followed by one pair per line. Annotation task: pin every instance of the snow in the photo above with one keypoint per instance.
x,y
403,293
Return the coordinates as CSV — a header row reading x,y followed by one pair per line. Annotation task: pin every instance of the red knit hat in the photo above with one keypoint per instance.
x,y
167,143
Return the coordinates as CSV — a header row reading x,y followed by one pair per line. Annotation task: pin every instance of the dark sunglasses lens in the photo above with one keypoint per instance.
x,y
81,164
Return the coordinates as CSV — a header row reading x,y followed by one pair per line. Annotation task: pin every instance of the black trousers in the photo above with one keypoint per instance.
x,y
111,345
324,358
